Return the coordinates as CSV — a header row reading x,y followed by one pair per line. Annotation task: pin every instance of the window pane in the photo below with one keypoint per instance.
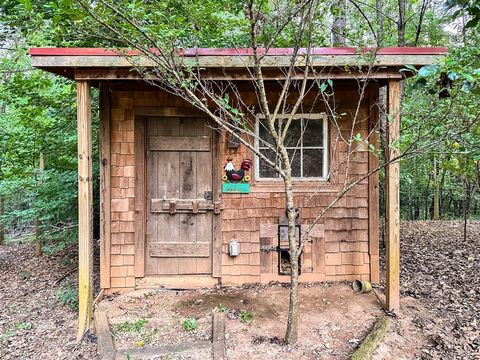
x,y
293,133
294,155
265,170
312,163
265,135
312,132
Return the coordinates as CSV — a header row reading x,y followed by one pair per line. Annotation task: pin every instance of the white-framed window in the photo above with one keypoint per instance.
x,y
306,143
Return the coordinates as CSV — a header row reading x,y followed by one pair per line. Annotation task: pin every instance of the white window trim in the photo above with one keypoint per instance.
x,y
326,146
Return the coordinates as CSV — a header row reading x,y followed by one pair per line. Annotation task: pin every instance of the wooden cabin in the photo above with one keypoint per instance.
x,y
166,218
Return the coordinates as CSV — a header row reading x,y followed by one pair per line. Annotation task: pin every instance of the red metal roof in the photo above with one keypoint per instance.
x,y
239,52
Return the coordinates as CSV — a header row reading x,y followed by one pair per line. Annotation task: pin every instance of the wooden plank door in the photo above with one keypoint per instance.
x,y
179,196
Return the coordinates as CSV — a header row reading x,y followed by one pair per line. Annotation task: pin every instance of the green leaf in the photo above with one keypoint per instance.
x,y
428,70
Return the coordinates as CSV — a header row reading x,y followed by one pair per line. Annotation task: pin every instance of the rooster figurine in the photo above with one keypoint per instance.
x,y
237,175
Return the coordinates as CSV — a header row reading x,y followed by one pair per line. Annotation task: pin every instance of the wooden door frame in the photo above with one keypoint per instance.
x,y
140,220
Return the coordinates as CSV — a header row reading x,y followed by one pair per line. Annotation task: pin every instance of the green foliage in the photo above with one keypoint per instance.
x,y
7,335
461,7
190,324
23,326
221,308
129,327
25,275
68,296
37,110
245,316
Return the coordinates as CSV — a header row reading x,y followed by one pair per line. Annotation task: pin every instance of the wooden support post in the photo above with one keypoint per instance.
x,y
373,187
105,195
393,200
85,208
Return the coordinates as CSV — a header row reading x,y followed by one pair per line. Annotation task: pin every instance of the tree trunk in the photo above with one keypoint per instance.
x,y
2,227
291,334
436,191
401,23
466,206
339,24
379,9
38,230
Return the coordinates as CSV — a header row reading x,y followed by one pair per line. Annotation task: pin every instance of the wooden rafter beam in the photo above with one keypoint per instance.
x,y
393,200
85,208
242,74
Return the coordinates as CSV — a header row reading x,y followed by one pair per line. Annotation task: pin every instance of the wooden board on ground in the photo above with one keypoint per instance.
x,y
104,339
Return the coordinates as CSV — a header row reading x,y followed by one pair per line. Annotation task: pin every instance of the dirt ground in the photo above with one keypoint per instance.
x,y
334,319
439,320
33,322
439,274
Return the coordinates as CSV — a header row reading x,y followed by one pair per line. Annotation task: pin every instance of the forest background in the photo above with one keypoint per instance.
x,y
38,154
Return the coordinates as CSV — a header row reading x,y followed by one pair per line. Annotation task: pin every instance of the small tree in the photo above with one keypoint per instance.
x,y
263,26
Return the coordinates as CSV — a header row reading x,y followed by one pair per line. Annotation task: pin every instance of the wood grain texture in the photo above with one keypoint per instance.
x,y
180,219
106,350
393,201
275,61
218,336
232,74
139,217
217,197
179,143
373,188
85,208
176,281
105,194
180,249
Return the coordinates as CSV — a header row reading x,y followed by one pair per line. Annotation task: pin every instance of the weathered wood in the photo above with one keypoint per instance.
x,y
373,339
218,336
373,189
179,249
217,197
177,282
166,111
393,201
318,256
93,61
238,74
140,207
181,205
188,180
105,348
179,213
85,208
179,143
105,193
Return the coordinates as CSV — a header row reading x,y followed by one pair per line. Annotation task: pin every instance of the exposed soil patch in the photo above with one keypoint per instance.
x,y
333,319
33,323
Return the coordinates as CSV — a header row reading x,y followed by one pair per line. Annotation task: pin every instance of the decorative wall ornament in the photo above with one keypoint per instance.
x,y
237,181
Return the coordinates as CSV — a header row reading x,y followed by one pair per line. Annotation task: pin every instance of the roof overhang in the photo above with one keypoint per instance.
x,y
222,64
